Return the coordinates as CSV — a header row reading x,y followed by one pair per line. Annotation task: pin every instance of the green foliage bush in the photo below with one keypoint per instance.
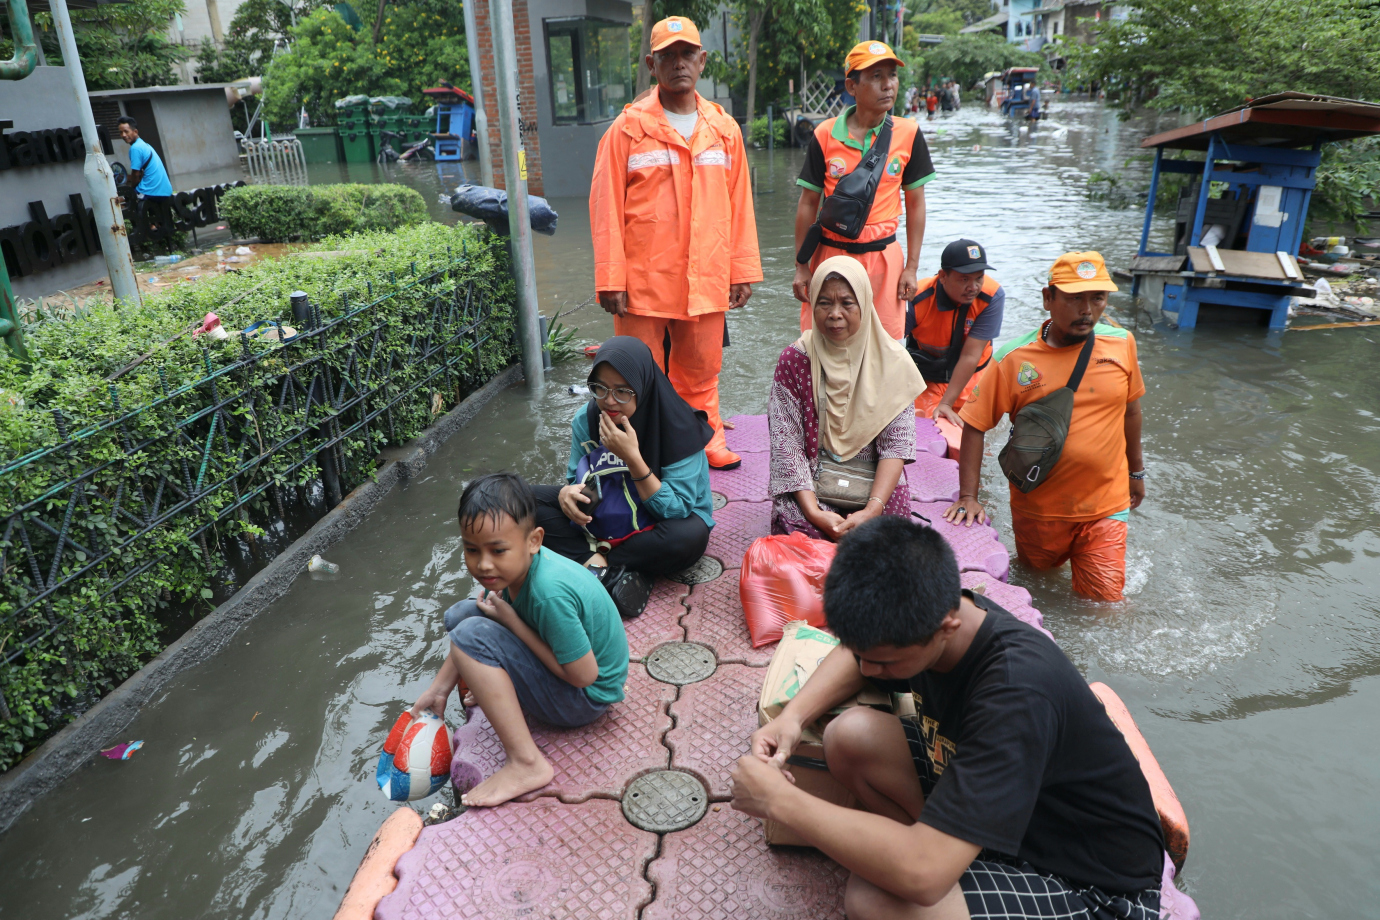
x,y
966,58
281,213
757,136
103,639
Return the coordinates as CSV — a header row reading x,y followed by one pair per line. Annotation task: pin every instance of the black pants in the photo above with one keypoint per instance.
x,y
665,549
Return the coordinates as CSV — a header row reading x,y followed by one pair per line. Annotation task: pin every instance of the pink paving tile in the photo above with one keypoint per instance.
x,y
928,439
716,620
1015,599
714,719
932,479
977,547
530,860
597,760
722,869
748,482
749,435
736,525
660,622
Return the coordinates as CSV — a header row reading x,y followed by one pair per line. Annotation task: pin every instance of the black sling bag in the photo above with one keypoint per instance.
x,y
845,212
1039,429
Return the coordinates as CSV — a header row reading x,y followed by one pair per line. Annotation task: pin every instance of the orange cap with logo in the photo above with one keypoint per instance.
x,y
674,29
1075,272
865,54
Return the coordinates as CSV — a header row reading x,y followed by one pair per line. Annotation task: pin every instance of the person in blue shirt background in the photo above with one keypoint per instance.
x,y
149,178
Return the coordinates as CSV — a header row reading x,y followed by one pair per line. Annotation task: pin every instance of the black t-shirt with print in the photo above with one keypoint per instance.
x,y
1018,756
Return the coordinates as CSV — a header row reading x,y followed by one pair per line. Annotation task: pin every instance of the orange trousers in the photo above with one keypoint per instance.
x,y
934,392
884,271
1096,549
697,355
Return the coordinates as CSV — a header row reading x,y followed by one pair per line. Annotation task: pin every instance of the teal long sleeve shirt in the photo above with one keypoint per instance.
x,y
684,484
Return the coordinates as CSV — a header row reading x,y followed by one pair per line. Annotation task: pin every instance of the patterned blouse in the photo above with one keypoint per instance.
x,y
793,424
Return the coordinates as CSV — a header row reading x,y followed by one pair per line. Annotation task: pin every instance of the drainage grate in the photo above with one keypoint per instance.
x,y
665,801
681,663
706,569
719,500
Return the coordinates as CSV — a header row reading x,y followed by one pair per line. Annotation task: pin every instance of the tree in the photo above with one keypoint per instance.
x,y
258,27
122,45
966,58
796,39
1208,56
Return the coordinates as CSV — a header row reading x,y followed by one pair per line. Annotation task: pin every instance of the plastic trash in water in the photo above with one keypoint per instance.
x,y
317,564
167,260
491,206
122,751
1322,287
576,389
243,251
151,279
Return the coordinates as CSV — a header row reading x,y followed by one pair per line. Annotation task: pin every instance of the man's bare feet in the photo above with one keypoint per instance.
x,y
513,780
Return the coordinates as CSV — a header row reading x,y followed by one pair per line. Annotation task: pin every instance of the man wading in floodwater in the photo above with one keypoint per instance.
x,y
675,238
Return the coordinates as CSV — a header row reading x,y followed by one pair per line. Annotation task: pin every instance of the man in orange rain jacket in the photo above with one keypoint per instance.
x,y
675,238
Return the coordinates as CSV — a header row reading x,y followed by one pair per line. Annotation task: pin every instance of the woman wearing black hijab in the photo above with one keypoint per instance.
x,y
636,414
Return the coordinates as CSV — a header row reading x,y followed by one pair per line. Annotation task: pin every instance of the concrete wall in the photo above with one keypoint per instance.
x,y
44,99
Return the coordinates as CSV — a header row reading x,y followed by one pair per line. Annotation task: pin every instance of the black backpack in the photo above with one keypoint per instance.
x,y
1039,429
845,212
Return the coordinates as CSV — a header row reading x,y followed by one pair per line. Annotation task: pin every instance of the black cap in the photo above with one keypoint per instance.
x,y
964,256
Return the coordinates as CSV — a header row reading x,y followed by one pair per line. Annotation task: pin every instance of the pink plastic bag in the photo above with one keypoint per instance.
x,y
782,579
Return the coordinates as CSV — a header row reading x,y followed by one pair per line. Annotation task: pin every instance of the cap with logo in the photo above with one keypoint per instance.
x,y
865,54
1075,272
674,29
964,256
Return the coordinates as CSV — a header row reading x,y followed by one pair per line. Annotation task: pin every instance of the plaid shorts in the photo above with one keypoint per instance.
x,y
1000,888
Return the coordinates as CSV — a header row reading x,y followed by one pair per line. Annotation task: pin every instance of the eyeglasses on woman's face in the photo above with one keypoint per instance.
x,y
622,395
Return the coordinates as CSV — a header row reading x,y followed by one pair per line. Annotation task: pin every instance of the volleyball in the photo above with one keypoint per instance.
x,y
415,761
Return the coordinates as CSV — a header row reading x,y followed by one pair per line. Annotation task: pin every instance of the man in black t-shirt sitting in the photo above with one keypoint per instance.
x,y
1010,794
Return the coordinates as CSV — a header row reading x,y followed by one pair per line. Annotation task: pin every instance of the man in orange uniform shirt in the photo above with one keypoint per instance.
x,y
675,239
835,150
1080,512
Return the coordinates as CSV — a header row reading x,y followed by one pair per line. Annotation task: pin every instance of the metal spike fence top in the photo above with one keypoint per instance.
x,y
194,455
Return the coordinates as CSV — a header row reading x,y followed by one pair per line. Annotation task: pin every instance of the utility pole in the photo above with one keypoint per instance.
x,y
100,181
515,182
481,120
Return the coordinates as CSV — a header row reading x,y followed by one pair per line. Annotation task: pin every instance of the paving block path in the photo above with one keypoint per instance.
x,y
567,851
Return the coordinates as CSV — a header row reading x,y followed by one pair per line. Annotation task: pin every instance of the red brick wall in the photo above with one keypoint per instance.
x,y
527,96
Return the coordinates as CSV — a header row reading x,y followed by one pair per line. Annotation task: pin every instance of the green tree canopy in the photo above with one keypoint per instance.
x,y
122,45
258,26
1208,56
966,58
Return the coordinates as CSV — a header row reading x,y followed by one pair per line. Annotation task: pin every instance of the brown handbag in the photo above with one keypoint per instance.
x,y
845,484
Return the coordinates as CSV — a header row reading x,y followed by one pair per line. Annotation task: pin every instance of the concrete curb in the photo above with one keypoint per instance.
x,y
66,752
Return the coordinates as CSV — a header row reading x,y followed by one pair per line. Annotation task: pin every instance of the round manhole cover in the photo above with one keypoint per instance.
x,y
681,663
667,800
706,569
719,500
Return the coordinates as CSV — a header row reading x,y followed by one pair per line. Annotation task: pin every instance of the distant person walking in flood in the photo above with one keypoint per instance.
x,y
950,326
832,184
675,237
152,187
1077,508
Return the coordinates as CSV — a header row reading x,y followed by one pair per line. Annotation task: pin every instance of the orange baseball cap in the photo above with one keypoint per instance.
x,y
865,54
674,29
1075,272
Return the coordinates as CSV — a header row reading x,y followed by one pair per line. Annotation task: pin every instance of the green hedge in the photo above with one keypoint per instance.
x,y
103,640
282,213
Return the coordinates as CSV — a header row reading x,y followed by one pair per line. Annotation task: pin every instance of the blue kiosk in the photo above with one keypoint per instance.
x,y
1239,222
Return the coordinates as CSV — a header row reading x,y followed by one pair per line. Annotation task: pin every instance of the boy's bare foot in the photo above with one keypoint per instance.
x,y
513,780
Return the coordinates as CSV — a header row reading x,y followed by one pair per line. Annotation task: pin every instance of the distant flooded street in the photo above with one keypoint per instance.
x,y
1248,647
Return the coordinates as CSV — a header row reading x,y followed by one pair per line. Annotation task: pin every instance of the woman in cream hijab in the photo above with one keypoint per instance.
x,y
844,391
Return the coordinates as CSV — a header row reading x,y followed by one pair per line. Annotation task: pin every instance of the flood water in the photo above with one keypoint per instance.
x,y
1247,647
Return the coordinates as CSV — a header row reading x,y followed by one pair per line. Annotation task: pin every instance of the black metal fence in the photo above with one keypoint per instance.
x,y
94,522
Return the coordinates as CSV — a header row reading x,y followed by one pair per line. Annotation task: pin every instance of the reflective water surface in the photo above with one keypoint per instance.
x,y
1246,648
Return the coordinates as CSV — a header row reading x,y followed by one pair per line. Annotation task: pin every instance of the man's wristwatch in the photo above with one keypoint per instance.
x,y
1140,475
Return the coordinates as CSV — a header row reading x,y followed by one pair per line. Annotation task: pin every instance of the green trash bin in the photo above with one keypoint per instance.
x,y
358,144
320,145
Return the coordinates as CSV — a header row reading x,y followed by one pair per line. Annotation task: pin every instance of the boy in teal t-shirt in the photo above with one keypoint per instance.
x,y
543,637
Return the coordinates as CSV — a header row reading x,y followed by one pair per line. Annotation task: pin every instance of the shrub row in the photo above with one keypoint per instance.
x,y
283,213
105,636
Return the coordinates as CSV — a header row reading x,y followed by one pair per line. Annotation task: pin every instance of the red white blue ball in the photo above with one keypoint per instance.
x,y
415,761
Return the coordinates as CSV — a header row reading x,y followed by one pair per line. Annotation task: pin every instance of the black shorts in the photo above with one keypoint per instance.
x,y
999,888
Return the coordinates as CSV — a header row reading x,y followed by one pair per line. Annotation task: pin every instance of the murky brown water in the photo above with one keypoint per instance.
x,y
1247,648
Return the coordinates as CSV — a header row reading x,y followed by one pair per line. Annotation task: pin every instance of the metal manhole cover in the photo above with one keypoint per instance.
x,y
681,663
706,569
719,500
665,801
